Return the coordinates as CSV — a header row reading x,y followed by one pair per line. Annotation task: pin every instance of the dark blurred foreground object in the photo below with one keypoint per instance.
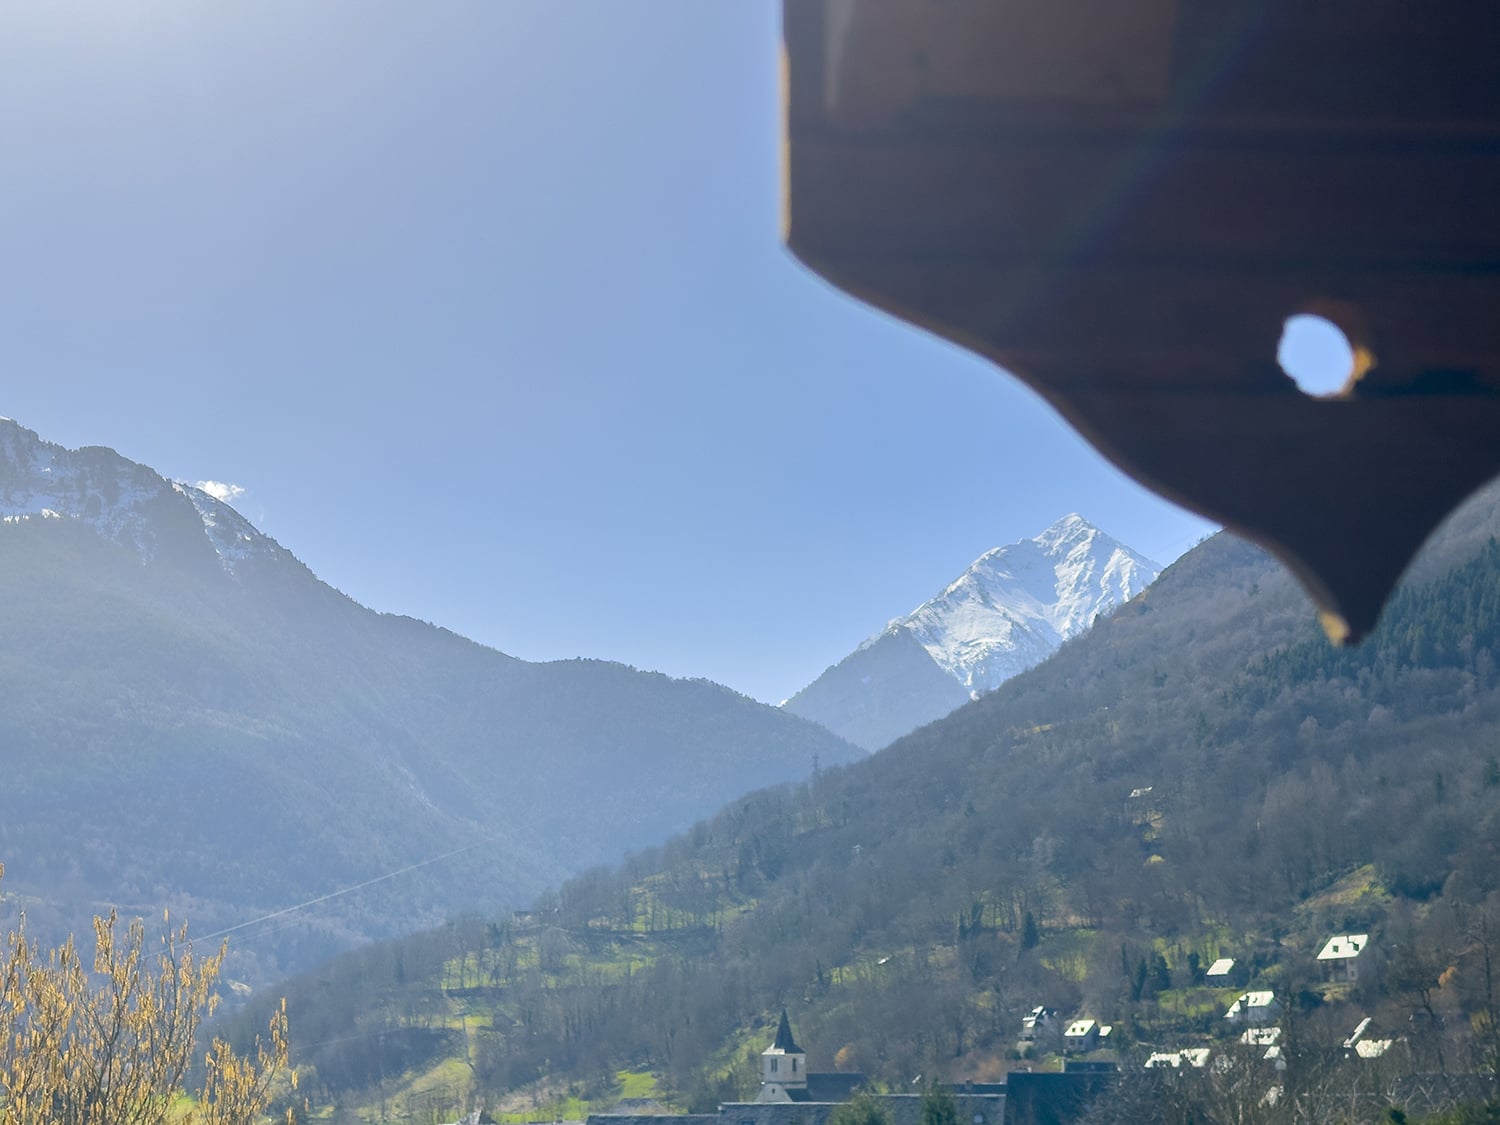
x,y
1122,201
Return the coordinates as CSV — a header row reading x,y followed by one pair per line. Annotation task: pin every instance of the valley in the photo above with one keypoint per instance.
x,y
1110,857
191,720
1199,778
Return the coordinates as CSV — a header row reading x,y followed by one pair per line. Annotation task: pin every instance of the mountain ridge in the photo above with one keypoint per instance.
x,y
1010,609
121,499
191,718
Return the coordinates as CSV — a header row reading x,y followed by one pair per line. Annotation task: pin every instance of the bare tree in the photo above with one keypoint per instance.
x,y
112,1043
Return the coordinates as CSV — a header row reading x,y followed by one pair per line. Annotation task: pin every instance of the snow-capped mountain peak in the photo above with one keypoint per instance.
x,y
1071,529
120,499
1017,603
1009,610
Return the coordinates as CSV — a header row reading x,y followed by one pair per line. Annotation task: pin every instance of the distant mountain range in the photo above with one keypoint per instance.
x,y
189,717
1009,611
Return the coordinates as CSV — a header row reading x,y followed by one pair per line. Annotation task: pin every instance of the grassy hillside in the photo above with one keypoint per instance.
x,y
1200,776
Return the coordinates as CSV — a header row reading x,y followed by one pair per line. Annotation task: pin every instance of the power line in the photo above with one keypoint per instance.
x,y
336,894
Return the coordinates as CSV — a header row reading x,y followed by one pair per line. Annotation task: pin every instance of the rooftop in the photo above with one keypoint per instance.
x,y
1250,1001
785,1044
1185,1056
1343,946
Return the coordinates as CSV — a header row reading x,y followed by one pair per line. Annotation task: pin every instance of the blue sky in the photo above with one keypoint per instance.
x,y
483,307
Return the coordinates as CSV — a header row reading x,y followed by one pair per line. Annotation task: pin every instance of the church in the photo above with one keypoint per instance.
x,y
784,1076
791,1095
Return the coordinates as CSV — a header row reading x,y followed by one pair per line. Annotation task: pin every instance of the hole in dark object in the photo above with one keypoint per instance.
x,y
1315,354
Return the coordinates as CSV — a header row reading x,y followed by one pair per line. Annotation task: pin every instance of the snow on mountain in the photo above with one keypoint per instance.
x,y
1010,610
120,499
233,536
1016,604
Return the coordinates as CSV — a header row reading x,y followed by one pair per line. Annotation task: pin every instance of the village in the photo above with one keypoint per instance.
x,y
1068,1064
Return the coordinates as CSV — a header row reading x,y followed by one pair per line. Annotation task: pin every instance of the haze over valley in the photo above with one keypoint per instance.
x,y
191,719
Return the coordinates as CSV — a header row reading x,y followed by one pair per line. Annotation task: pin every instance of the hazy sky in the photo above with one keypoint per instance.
x,y
483,307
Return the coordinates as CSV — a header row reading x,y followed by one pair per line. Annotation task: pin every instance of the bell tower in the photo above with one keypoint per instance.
x,y
783,1067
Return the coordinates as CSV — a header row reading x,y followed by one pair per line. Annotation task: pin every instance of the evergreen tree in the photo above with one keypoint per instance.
x,y
1030,936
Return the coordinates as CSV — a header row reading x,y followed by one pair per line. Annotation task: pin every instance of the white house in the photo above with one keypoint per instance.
x,y
1218,972
1041,1023
1196,1057
1339,958
1366,1048
1254,1009
1081,1036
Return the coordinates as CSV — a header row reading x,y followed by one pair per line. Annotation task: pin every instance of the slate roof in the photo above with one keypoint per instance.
x,y
904,1109
833,1086
768,1113
784,1041
1088,1066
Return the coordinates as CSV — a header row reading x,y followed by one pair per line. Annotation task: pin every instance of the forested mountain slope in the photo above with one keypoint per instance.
x,y
189,717
1199,775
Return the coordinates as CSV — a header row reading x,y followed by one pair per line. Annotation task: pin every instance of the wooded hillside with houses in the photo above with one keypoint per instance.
x,y
1175,814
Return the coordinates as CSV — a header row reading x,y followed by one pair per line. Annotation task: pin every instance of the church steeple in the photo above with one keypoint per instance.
x,y
783,1067
784,1041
